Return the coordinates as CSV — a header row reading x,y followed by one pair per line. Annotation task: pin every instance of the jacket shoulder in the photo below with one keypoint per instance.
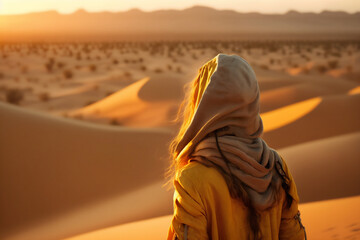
x,y
200,175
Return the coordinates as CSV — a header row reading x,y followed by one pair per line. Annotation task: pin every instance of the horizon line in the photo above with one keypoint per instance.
x,y
176,9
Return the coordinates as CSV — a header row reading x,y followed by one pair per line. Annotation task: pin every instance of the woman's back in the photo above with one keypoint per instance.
x,y
202,201
226,177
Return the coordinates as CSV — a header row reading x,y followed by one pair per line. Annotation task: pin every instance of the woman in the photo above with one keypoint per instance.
x,y
228,183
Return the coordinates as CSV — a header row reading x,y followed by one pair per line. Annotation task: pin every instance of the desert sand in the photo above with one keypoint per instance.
x,y
331,219
86,127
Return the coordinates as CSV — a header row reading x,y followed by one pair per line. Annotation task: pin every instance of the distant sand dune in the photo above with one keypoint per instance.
x,y
283,116
282,96
336,114
145,103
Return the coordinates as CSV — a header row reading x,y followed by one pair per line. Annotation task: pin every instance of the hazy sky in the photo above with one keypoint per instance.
x,y
265,6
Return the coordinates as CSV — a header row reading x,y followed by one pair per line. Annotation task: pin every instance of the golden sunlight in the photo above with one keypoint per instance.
x,y
286,115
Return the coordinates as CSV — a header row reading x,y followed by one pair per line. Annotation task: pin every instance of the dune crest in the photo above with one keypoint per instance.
x,y
334,115
285,115
145,103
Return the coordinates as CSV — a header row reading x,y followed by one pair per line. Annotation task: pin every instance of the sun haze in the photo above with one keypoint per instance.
x,y
263,6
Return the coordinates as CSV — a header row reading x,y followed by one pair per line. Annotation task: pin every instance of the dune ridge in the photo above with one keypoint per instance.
x,y
147,103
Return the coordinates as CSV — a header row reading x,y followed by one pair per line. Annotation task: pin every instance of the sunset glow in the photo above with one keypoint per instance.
x,y
264,6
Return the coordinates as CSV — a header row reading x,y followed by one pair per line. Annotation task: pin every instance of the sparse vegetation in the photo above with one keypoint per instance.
x,y
321,68
66,66
44,96
92,67
68,74
115,122
264,66
333,64
158,70
14,96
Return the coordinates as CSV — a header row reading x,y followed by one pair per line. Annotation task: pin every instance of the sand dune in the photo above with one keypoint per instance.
x,y
144,203
283,116
336,114
326,168
354,91
52,166
86,166
147,103
334,219
282,96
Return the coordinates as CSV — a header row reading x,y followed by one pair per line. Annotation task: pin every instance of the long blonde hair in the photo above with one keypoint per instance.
x,y
185,114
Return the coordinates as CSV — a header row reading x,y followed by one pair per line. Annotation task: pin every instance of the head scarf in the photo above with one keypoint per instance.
x,y
227,104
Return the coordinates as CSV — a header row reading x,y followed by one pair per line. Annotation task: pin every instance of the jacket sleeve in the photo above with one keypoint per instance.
x,y
291,226
189,219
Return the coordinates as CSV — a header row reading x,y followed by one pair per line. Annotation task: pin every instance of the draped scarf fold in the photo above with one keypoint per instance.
x,y
252,162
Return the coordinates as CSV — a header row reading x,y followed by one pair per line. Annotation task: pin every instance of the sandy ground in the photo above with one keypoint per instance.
x,y
84,143
332,219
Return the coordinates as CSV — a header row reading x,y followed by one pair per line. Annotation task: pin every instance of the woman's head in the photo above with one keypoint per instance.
x,y
224,93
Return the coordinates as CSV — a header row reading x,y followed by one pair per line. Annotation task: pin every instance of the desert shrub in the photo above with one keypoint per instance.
x,y
96,86
44,96
89,103
1,75
68,74
60,64
127,74
78,116
349,68
24,69
115,122
178,69
143,68
264,66
336,54
271,61
109,93
333,64
92,67
14,96
169,67
321,68
158,70
305,70
115,61
49,65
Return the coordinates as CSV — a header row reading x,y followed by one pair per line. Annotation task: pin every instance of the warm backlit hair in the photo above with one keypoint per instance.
x,y
185,114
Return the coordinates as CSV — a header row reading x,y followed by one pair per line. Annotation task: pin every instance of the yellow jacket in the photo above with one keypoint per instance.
x,y
204,209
